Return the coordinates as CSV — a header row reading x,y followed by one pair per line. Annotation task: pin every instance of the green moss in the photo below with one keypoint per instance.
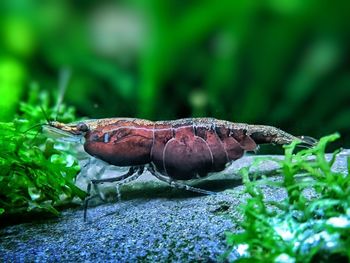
x,y
298,229
33,173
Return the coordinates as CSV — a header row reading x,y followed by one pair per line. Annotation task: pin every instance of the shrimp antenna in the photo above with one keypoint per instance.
x,y
64,77
39,124
45,115
36,134
34,126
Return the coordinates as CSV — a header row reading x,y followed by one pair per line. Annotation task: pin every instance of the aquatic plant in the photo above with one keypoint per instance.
x,y
34,174
299,228
243,61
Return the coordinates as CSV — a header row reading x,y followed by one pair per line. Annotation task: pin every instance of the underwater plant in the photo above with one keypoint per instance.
x,y
36,173
298,228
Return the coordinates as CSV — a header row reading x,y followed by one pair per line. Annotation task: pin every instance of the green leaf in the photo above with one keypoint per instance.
x,y
33,173
34,193
298,219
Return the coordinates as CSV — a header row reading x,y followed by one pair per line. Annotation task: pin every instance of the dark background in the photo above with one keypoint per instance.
x,y
277,62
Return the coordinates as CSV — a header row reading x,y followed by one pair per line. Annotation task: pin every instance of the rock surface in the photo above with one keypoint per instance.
x,y
153,222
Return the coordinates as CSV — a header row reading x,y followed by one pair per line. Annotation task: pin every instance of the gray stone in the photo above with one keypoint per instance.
x,y
153,222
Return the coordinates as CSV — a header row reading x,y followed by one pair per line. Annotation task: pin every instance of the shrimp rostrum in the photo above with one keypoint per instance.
x,y
173,151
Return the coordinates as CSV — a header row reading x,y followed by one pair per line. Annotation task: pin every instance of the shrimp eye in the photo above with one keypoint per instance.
x,y
82,127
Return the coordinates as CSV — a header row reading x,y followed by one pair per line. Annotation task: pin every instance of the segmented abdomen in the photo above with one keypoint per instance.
x,y
182,149
191,148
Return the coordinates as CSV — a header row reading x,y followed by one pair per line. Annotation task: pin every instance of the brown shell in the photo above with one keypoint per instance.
x,y
183,149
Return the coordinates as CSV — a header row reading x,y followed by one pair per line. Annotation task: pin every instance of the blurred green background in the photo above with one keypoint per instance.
x,y
277,62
